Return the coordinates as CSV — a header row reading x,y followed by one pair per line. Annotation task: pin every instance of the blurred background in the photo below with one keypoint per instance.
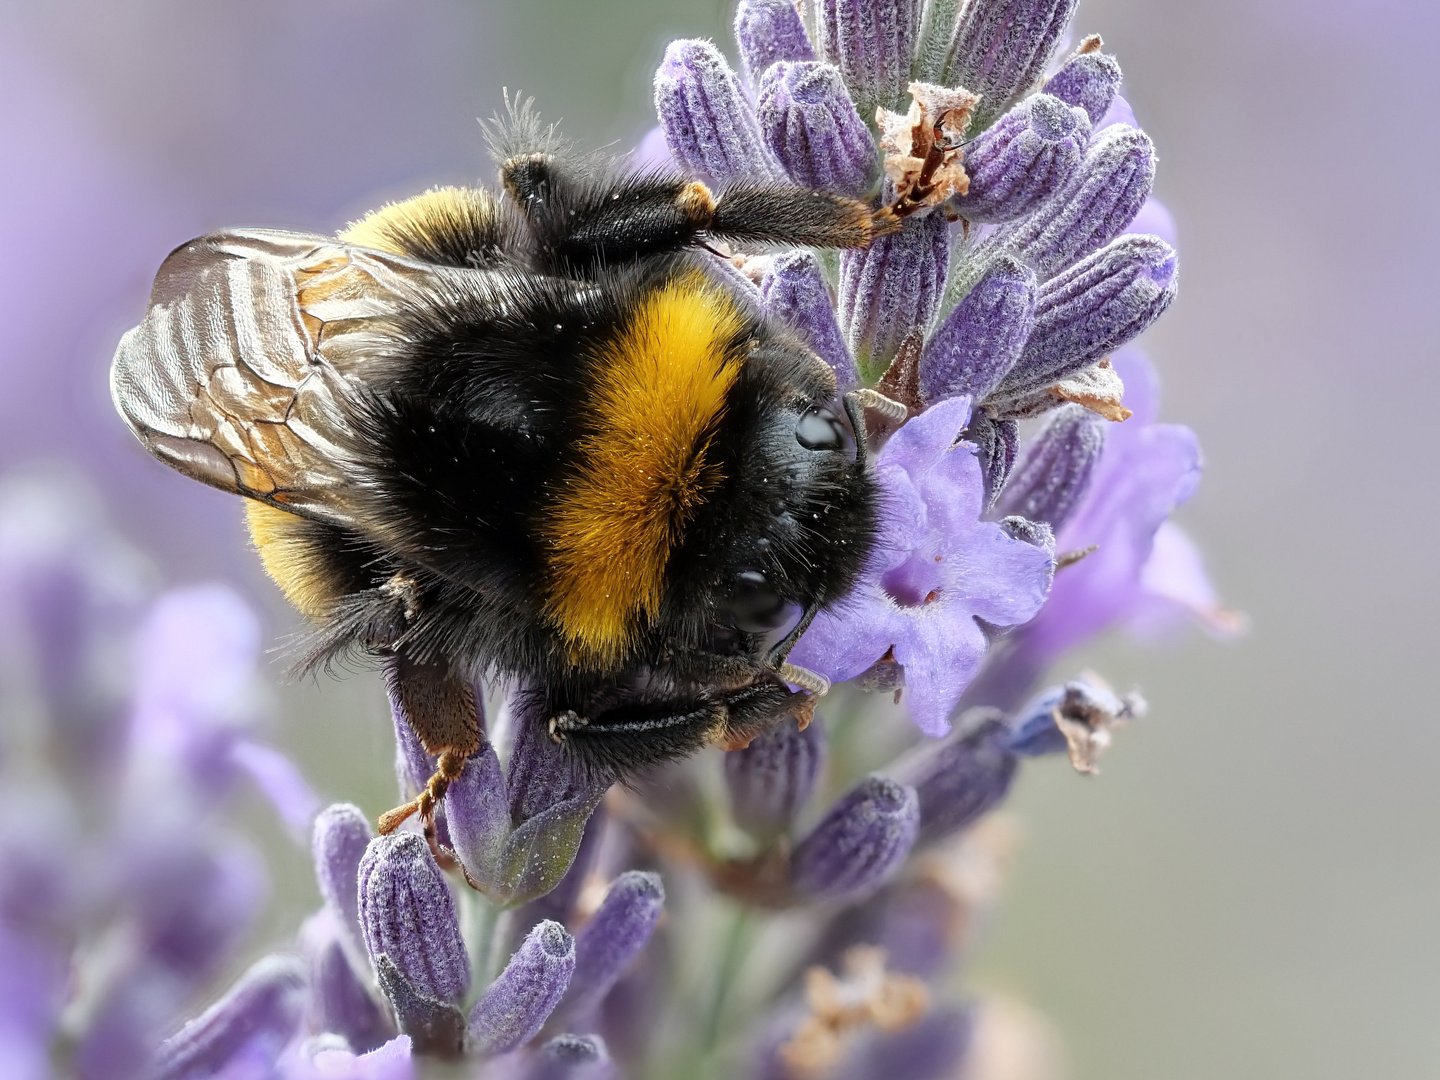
x,y
1249,890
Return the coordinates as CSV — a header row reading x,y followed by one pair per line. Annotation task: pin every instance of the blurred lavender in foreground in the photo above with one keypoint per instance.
x,y
823,891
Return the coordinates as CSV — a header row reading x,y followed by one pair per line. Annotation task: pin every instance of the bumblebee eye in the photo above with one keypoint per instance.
x,y
754,606
820,429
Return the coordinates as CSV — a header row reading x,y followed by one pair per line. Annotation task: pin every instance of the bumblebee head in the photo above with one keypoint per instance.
x,y
793,518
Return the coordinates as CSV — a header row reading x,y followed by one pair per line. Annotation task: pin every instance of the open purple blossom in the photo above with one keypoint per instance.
x,y
938,572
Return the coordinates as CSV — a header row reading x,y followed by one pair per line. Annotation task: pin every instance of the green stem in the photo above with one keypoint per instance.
x,y
733,952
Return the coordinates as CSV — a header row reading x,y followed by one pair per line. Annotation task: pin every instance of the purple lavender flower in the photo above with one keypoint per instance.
x,y
860,843
936,571
515,1007
812,128
1020,161
771,780
769,31
709,126
796,296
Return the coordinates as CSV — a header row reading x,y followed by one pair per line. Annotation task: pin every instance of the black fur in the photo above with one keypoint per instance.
x,y
475,420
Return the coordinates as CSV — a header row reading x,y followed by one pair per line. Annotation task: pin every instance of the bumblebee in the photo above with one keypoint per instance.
x,y
535,435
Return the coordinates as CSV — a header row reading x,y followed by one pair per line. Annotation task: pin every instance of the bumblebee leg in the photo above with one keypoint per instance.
x,y
440,709
578,221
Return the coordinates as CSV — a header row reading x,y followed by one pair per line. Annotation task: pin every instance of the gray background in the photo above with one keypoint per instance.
x,y
1249,889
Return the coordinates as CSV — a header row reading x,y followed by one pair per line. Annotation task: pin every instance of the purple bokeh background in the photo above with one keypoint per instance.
x,y
1249,890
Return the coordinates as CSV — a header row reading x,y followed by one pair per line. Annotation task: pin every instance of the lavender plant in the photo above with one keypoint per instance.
x,y
793,909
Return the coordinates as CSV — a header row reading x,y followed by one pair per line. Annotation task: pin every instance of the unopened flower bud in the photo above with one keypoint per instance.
x,y
572,1057
1001,48
1090,310
552,795
515,1007
890,289
1054,472
709,125
478,813
767,32
795,294
872,42
1094,206
613,937
978,342
770,781
338,842
262,1011
811,126
997,443
960,779
406,913
340,1001
1090,81
859,843
1023,159
1074,719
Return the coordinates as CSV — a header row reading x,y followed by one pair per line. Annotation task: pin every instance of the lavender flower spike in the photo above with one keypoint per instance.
x,y
1093,207
612,938
709,126
872,42
406,914
1025,157
860,843
978,342
261,1012
767,32
340,837
959,780
1001,48
812,128
1090,80
770,780
890,289
517,1004
1054,473
1090,310
794,293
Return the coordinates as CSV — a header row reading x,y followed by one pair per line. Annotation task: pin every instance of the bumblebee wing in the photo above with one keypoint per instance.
x,y
239,374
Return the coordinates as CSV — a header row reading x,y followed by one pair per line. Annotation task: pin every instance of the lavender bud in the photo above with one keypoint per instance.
x,y
1055,472
559,902
997,442
1025,157
261,1012
1093,207
891,289
517,1004
1001,48
859,843
1090,310
340,1002
613,937
770,781
1090,81
552,795
961,778
406,914
812,128
872,42
436,1027
478,813
977,344
341,835
1074,719
767,32
709,126
572,1057
413,766
795,294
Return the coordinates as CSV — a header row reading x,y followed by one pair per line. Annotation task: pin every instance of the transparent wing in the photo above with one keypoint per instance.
x,y
253,341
